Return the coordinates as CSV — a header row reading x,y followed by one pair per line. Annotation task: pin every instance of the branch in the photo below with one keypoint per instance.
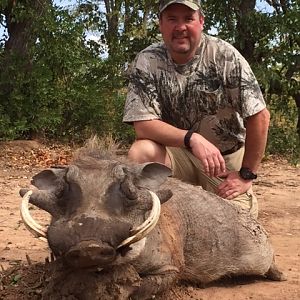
x,y
2,23
275,5
284,5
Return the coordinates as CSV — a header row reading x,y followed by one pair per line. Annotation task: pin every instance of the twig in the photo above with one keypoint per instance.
x,y
52,256
28,260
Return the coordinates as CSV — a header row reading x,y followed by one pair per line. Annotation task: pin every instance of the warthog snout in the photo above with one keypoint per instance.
x,y
90,254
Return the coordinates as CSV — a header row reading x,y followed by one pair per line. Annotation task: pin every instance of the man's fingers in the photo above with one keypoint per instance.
x,y
211,167
222,164
232,196
210,156
216,165
229,194
206,166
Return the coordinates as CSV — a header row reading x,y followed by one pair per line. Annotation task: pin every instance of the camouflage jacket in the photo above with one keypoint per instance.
x,y
213,93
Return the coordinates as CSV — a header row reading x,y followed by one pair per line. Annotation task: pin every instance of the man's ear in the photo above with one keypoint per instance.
x,y
201,20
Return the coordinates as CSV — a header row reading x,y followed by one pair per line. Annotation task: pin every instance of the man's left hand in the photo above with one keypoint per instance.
x,y
233,185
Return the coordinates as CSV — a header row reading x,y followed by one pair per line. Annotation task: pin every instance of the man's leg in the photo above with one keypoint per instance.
x,y
142,151
187,167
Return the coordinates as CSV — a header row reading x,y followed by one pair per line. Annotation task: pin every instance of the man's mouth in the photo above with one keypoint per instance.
x,y
180,37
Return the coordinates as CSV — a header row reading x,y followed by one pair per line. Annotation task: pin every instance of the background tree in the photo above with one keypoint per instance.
x,y
70,76
20,18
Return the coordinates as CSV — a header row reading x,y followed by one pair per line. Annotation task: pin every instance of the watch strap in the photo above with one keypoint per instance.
x,y
247,173
187,138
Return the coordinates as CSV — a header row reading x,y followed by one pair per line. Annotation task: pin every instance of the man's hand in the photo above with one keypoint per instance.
x,y
212,161
233,185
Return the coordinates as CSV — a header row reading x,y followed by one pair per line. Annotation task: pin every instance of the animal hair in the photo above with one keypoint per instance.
x,y
104,148
96,149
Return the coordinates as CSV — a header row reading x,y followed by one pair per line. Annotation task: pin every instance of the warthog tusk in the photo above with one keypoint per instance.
x,y
36,229
141,231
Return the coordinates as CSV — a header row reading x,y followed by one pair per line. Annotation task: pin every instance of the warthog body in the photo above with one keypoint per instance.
x,y
97,201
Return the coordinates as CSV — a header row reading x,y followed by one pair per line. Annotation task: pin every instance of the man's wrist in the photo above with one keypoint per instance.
x,y
247,174
187,139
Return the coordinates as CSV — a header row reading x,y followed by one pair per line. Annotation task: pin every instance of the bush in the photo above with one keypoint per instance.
x,y
283,137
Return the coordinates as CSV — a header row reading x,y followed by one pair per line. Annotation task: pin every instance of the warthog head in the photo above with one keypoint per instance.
x,y
99,208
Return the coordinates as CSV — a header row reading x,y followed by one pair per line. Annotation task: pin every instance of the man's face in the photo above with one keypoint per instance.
x,y
181,28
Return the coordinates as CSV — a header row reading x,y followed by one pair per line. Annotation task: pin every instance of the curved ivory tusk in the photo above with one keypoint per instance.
x,y
36,229
153,214
141,231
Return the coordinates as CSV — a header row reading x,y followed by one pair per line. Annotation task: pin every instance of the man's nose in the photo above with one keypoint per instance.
x,y
180,26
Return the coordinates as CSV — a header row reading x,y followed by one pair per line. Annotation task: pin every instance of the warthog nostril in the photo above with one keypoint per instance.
x,y
106,252
90,254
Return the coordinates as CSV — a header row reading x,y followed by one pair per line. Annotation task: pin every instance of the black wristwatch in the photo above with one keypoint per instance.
x,y
247,174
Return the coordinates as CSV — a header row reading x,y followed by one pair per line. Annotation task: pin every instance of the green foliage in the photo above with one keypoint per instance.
x,y
69,87
283,137
16,279
122,132
65,94
71,90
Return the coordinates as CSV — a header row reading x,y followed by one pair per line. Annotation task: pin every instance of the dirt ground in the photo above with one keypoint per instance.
x,y
277,189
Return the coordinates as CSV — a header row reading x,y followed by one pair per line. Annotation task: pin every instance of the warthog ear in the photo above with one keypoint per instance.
x,y
50,179
164,195
152,175
50,184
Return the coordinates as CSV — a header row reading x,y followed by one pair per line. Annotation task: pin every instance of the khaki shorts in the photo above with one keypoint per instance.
x,y
188,168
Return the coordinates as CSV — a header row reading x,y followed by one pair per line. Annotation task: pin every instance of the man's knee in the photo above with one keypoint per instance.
x,y
146,150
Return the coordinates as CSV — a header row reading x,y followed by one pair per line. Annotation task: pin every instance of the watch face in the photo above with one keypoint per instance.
x,y
247,174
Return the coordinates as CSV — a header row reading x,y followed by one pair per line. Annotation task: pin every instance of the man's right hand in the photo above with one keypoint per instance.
x,y
209,155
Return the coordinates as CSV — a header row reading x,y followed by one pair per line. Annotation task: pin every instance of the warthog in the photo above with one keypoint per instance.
x,y
107,212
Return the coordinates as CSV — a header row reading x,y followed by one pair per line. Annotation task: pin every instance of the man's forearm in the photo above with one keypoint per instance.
x,y
168,135
160,132
256,139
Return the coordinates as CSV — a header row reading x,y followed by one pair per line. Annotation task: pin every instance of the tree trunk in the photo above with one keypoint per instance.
x,y
297,100
113,8
245,42
21,38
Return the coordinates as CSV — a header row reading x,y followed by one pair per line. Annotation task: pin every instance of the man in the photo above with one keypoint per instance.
x,y
197,107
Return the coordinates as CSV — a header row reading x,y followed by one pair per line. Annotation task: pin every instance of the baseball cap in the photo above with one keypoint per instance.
x,y
193,4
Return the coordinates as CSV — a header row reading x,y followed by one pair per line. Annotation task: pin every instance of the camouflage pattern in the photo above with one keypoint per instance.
x,y
193,4
213,93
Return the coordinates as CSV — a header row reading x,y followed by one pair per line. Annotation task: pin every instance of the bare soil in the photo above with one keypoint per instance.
x,y
22,257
